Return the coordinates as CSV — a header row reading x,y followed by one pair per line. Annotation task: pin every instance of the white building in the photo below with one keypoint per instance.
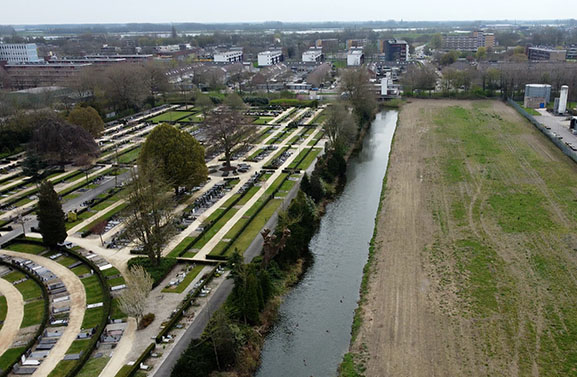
x,y
230,56
355,58
19,53
312,56
268,58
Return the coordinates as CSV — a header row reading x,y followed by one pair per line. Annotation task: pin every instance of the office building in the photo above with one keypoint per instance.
x,y
545,53
29,75
312,56
19,53
396,50
268,58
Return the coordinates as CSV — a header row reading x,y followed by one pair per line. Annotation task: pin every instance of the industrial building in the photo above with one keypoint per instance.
x,y
268,58
547,54
468,42
396,50
355,58
230,56
19,53
537,96
312,56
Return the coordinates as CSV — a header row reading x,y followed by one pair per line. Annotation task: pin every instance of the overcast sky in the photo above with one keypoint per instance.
x,y
118,11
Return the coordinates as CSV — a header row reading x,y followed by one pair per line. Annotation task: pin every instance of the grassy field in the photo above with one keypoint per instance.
x,y
262,120
171,116
487,209
186,282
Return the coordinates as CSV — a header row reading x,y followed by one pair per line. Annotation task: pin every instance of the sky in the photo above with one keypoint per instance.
x,y
14,12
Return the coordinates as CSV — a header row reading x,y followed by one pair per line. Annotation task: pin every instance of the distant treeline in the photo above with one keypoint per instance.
x,y
192,26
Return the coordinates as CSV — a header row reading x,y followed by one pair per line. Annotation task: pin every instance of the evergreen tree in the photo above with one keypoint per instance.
x,y
51,221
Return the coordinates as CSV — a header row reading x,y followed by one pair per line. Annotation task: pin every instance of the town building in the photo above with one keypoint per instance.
x,y
312,56
30,75
327,45
355,58
268,58
19,53
230,56
545,53
356,43
396,50
468,42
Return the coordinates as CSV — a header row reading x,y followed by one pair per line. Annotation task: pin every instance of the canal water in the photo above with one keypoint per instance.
x,y
313,330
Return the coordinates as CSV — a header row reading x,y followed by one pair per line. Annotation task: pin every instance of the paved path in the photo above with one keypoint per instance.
x,y
14,316
77,308
120,353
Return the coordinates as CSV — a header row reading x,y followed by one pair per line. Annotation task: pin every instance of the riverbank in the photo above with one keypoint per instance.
x,y
311,335
470,265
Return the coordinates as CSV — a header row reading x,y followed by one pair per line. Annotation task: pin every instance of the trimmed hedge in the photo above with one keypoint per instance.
x,y
157,272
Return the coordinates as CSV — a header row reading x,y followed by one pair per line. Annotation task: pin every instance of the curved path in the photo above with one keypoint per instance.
x,y
77,308
122,350
14,315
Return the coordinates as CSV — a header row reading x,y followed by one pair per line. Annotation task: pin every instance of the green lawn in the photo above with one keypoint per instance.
x,y
129,156
63,368
26,248
93,367
295,162
309,159
93,289
263,120
9,356
106,216
171,116
33,313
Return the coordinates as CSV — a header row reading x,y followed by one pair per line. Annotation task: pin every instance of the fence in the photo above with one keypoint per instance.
x,y
558,142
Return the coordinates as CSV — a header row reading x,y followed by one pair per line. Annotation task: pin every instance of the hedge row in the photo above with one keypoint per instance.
x,y
44,318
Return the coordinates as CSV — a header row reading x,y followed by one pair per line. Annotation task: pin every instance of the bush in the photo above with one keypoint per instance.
x,y
146,320
157,271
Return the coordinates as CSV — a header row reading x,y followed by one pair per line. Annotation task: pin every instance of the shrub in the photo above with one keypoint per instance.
x,y
146,320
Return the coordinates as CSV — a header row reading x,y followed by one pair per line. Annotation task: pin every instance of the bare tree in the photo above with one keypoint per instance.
x,y
124,86
132,300
155,80
149,218
227,127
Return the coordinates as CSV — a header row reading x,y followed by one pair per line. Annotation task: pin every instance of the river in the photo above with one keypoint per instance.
x,y
313,329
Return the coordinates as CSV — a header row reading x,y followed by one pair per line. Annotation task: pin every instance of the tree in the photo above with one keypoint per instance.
x,y
87,118
204,103
155,81
448,58
226,127
124,87
32,167
356,86
132,300
51,220
179,156
57,142
149,218
339,126
99,229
